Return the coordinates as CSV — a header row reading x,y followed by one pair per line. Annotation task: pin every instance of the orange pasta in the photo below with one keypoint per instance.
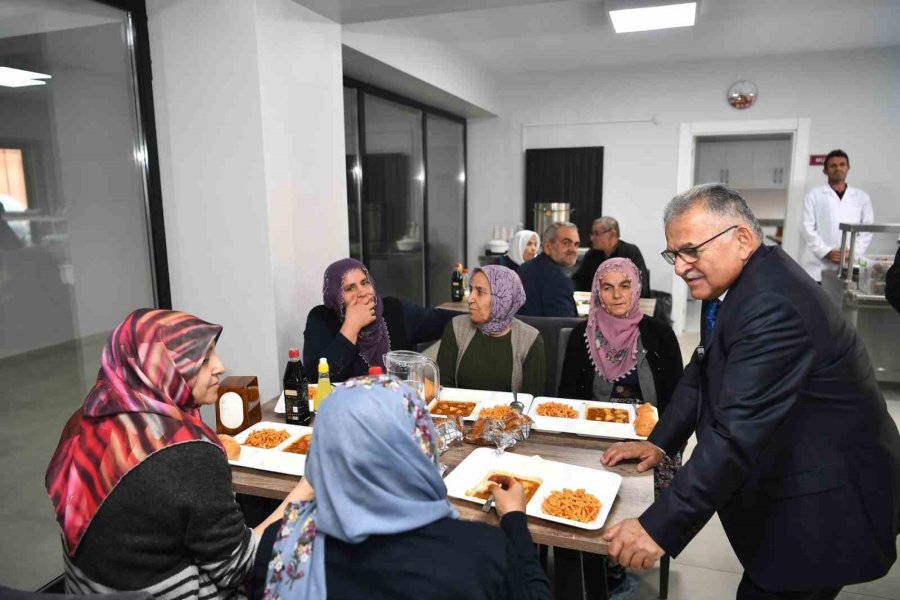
x,y
266,438
496,412
575,505
556,409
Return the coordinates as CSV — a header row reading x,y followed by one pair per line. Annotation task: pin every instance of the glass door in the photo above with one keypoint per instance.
x,y
446,203
393,207
76,253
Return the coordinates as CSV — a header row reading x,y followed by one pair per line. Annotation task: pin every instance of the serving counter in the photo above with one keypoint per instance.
x,y
876,321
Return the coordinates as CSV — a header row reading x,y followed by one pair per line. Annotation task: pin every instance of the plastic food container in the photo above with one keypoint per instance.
x,y
872,272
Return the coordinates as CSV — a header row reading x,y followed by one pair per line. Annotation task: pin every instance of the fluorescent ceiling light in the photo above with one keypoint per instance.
x,y
654,17
10,77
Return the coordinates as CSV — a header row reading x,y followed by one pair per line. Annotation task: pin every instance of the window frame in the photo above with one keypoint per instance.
x,y
363,88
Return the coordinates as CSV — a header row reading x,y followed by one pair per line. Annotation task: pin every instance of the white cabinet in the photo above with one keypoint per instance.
x,y
711,162
744,165
771,164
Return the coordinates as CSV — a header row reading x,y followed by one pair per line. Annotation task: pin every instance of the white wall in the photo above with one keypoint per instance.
x,y
847,95
303,131
398,44
249,115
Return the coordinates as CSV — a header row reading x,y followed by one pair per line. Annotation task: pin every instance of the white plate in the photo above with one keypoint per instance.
x,y
555,424
481,398
553,475
274,459
581,426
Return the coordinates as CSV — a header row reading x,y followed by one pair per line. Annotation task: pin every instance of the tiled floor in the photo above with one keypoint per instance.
x,y
37,397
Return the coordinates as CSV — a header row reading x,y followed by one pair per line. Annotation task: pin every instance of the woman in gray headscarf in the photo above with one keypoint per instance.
x,y
380,525
489,349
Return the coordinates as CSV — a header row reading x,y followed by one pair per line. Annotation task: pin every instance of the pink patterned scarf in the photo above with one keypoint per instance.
x,y
141,403
612,341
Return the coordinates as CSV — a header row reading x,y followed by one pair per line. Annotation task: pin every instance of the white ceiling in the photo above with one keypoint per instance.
x,y
515,36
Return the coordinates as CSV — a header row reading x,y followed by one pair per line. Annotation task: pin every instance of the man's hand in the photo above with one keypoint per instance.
x,y
834,256
631,546
649,455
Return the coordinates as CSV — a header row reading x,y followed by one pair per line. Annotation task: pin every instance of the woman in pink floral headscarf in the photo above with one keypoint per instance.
x,y
489,349
621,355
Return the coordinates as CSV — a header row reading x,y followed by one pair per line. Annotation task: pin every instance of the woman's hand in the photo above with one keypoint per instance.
x,y
302,492
509,497
357,315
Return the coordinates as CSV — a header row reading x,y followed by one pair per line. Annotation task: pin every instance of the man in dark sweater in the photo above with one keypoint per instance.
x,y
605,243
548,290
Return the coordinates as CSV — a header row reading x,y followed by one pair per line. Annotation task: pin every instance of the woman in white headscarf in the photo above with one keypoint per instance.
x,y
523,246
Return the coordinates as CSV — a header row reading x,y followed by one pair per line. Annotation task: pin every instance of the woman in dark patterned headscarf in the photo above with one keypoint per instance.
x,y
489,349
354,327
140,485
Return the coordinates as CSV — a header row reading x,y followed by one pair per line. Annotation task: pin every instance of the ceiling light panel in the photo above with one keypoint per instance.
x,y
10,77
654,17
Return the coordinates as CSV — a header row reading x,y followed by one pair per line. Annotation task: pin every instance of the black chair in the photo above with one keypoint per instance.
x,y
551,329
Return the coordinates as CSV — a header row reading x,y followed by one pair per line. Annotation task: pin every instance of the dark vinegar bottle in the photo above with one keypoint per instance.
x,y
457,291
296,391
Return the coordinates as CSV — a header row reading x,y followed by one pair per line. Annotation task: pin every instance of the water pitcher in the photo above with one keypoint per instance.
x,y
413,369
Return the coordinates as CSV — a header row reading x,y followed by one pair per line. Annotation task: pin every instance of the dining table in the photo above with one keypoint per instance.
x,y
635,493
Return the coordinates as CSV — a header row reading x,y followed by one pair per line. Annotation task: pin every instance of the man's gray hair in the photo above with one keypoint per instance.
x,y
608,223
716,199
549,233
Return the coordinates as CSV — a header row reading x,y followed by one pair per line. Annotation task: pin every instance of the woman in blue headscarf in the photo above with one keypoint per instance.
x,y
380,525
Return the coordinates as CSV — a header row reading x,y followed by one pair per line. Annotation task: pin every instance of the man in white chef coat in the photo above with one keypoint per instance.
x,y
828,206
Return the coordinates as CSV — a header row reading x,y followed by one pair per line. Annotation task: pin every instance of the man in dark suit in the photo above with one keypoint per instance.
x,y
892,283
795,448
606,244
548,290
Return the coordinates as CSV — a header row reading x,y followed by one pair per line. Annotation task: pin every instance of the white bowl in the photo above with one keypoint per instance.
x,y
498,246
406,245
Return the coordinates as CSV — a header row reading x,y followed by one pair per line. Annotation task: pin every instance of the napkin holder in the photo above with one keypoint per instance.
x,y
238,406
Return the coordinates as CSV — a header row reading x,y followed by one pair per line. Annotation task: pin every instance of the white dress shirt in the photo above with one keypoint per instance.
x,y
823,212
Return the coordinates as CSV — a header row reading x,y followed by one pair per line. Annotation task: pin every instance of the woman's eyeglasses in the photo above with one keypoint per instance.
x,y
691,254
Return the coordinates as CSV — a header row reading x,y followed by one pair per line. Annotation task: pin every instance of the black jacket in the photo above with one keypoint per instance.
x,y
506,261
449,559
795,448
584,276
408,324
892,283
663,354
548,291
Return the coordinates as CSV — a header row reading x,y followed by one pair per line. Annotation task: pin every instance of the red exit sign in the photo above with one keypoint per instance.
x,y
817,160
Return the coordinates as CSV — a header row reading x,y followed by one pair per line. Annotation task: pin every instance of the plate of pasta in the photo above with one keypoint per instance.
x,y
271,446
468,404
612,420
555,491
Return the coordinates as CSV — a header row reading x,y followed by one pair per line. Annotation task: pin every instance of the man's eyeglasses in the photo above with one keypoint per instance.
x,y
691,254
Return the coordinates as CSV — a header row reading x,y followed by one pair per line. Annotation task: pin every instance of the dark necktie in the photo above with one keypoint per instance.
x,y
712,311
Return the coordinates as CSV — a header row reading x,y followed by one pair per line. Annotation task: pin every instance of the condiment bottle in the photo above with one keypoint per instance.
x,y
324,386
457,290
296,391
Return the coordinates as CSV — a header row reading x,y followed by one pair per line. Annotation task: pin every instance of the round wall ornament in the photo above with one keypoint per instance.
x,y
742,94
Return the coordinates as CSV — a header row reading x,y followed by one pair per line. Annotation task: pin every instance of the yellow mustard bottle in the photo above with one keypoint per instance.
x,y
324,386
